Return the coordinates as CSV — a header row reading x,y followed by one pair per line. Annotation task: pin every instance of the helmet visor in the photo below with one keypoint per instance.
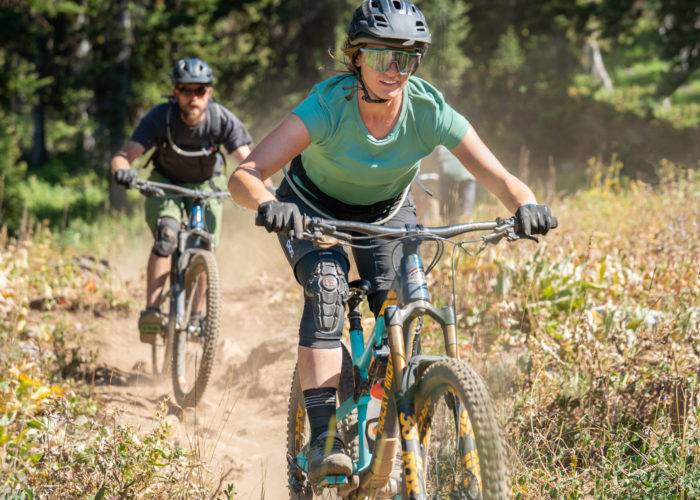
x,y
381,59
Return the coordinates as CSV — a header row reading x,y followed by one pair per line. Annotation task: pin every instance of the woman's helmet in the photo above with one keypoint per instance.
x,y
391,22
192,70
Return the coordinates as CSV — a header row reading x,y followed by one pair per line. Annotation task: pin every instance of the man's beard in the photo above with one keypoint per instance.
x,y
191,114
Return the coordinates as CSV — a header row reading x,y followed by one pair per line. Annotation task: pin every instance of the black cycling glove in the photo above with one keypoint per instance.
x,y
125,176
534,219
277,216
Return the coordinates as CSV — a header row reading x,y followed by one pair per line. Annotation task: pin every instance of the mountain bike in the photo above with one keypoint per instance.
x,y
187,344
436,433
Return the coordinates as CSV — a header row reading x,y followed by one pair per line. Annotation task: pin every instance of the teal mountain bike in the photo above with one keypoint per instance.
x,y
187,345
417,426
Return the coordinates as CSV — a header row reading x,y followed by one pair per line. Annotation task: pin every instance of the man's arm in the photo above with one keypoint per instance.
x,y
126,156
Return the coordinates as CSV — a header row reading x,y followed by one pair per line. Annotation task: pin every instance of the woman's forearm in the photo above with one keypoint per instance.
x,y
488,171
246,184
247,188
514,193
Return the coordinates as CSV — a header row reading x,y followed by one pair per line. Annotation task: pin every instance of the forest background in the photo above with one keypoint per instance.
x,y
548,83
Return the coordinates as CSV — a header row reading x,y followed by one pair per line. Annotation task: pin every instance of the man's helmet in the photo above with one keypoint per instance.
x,y
392,22
192,70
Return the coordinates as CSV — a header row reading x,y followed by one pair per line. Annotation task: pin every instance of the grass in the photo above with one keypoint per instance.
x,y
55,439
590,340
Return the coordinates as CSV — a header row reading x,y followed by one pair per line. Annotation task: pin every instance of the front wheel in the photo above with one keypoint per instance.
x,y
463,455
162,351
194,342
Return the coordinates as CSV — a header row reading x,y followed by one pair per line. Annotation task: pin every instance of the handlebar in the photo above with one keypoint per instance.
x,y
325,230
151,188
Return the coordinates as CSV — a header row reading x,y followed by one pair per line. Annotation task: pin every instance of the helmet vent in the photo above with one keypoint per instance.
x,y
381,21
374,4
397,4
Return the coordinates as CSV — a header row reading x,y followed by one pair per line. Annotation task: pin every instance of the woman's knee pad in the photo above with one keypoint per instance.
x,y
166,236
325,294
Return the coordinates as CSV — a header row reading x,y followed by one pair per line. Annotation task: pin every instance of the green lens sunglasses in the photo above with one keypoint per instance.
x,y
382,59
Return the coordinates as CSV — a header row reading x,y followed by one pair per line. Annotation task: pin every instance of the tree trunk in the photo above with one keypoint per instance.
x,y
37,155
117,194
597,66
112,84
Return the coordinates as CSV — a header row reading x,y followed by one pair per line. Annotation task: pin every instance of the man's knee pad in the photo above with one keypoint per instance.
x,y
325,293
166,236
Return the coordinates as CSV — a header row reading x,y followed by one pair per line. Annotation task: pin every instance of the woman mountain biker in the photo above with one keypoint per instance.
x,y
355,143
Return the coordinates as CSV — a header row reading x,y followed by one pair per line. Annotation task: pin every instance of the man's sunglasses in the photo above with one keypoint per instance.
x,y
192,91
382,59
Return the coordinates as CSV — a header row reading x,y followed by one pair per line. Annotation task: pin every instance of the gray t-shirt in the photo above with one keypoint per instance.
x,y
220,127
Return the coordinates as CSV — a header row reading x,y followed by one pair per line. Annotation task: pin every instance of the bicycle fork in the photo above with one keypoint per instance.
x,y
411,454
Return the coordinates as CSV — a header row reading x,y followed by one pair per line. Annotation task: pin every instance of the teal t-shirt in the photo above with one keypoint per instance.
x,y
347,163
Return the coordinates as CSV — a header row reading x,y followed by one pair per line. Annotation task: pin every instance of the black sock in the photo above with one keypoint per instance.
x,y
320,408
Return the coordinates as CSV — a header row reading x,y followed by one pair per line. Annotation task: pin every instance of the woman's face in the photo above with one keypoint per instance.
x,y
387,84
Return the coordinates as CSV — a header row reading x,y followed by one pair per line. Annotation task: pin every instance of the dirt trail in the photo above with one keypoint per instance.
x,y
239,427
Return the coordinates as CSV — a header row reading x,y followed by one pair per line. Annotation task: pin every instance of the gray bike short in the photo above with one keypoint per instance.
x,y
377,265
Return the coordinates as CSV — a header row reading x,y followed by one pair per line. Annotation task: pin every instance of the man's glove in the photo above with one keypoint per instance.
x,y
125,176
278,217
534,219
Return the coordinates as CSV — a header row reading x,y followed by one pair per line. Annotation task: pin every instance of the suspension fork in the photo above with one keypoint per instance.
x,y
411,455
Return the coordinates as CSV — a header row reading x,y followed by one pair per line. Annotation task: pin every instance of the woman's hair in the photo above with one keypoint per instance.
x,y
349,56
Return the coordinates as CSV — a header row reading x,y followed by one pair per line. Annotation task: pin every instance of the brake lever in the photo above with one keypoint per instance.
x,y
512,235
153,191
513,232
321,239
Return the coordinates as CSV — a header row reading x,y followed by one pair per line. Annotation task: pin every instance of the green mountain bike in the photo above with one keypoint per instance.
x,y
187,345
436,433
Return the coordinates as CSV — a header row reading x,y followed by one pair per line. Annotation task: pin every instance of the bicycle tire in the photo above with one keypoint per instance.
x,y
162,350
298,431
476,449
161,353
188,395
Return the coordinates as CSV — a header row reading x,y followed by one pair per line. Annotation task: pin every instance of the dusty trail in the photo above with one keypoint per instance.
x,y
239,427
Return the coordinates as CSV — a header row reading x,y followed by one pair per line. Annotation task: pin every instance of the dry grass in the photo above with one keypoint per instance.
x,y
597,331
55,440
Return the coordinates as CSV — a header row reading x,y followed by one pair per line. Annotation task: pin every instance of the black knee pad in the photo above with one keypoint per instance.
x,y
325,293
166,236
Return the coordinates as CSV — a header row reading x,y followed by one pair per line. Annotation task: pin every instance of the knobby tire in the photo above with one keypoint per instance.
x,y
202,261
446,382
161,354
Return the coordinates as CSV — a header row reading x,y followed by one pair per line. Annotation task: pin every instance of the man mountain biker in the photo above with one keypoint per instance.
x,y
355,144
187,133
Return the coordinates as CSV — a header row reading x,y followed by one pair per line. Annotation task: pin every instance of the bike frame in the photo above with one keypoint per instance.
x,y
190,239
407,300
